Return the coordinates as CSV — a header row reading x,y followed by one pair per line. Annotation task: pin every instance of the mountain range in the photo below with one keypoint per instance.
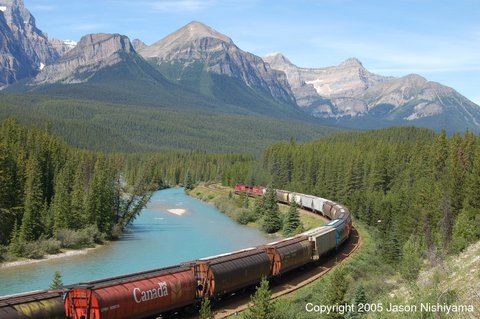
x,y
199,68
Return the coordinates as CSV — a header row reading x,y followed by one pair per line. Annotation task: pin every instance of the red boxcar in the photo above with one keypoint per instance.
x,y
133,296
250,190
240,188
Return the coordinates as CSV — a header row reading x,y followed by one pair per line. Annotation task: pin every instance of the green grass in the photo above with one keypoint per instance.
x,y
220,199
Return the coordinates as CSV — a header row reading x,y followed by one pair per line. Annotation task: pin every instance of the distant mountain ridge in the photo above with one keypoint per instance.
x,y
348,94
199,46
92,53
25,49
197,66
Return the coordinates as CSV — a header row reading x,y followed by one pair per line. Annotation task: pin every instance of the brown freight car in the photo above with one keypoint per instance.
x,y
45,304
282,196
133,296
221,274
289,253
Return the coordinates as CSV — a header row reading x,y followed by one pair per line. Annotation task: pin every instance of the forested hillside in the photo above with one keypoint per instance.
x,y
112,127
54,196
415,187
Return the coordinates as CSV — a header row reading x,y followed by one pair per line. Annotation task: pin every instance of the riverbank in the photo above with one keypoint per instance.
x,y
156,239
224,199
63,254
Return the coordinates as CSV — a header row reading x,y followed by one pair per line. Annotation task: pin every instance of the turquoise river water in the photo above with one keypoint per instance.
x,y
156,239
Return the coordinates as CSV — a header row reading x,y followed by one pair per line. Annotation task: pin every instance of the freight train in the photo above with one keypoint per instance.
x,y
149,293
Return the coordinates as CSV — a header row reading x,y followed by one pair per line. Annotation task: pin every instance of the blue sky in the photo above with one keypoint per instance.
x,y
439,40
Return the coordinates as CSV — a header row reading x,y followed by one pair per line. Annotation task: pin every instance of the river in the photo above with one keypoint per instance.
x,y
157,238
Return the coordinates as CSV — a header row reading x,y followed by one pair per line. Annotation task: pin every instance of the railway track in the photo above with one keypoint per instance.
x,y
291,282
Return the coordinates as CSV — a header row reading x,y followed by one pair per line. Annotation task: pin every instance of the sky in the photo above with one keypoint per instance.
x,y
437,39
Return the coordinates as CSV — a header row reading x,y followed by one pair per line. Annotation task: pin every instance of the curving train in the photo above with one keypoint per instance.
x,y
149,293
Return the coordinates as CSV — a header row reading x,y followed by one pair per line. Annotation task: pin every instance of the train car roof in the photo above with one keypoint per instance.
x,y
131,277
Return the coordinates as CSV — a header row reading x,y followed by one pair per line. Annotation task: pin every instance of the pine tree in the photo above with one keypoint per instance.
x,y
31,227
57,281
261,305
246,202
447,220
292,222
336,290
359,297
101,197
272,221
77,217
205,309
411,259
188,182
259,207
15,247
440,155
61,204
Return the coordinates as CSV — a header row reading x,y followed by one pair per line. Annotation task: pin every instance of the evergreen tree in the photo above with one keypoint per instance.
x,y
61,204
205,309
292,222
245,203
188,182
447,220
440,155
77,217
31,227
57,281
271,221
15,247
336,290
259,206
359,297
466,229
101,197
261,305
240,200
411,259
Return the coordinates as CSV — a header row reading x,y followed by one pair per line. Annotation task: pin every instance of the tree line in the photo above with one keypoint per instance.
x,y
53,195
418,188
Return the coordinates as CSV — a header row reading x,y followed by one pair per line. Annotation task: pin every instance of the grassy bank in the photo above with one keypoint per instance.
x,y
366,278
228,203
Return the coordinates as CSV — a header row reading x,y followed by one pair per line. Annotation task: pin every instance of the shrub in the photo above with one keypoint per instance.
x,y
3,253
86,237
32,250
50,246
93,232
246,216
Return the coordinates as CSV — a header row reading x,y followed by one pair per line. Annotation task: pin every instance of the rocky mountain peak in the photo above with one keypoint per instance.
x,y
188,40
198,30
415,79
62,46
351,63
276,58
17,16
109,43
92,53
25,49
198,44
138,44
